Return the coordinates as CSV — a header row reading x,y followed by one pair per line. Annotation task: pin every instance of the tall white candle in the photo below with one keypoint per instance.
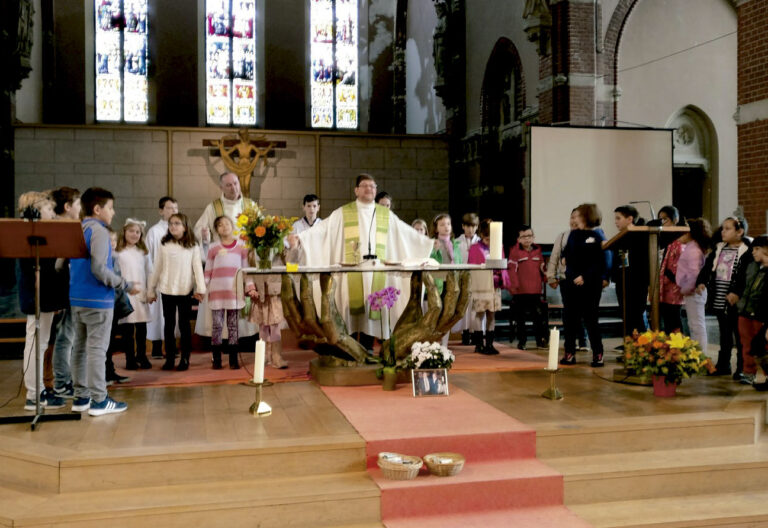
x,y
496,239
554,346
258,367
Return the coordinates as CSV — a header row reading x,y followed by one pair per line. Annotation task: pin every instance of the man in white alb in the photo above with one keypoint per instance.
x,y
231,203
167,207
352,232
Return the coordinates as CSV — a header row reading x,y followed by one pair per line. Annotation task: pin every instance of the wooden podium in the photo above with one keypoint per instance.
x,y
654,234
36,239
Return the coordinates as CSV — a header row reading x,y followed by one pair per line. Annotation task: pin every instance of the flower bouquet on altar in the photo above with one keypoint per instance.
x,y
430,363
666,359
264,234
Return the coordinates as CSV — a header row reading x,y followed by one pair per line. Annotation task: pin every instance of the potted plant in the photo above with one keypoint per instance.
x,y
430,363
382,301
665,359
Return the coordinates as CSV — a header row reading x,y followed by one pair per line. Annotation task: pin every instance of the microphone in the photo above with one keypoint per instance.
x,y
371,256
653,215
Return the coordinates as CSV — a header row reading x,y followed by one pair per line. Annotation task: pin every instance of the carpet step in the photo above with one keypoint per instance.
x,y
61,470
724,510
539,517
485,486
645,433
624,476
317,501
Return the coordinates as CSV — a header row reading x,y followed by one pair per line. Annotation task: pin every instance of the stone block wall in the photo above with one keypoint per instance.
x,y
133,164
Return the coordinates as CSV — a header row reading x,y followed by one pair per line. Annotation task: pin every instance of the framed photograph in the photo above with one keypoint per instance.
x,y
429,382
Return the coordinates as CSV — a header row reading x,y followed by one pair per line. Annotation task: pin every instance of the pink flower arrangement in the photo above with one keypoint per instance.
x,y
385,298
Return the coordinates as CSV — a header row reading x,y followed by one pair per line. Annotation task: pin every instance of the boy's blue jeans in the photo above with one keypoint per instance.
x,y
62,350
92,327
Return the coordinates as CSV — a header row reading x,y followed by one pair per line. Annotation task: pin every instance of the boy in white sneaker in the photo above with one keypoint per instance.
x,y
92,298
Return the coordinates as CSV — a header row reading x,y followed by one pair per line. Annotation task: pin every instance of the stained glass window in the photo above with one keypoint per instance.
x,y
333,76
230,65
121,60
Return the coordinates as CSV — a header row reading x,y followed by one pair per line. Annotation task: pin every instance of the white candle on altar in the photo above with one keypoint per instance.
x,y
554,346
496,239
258,367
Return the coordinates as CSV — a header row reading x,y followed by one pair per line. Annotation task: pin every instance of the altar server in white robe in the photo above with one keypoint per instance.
x,y
346,236
168,206
231,203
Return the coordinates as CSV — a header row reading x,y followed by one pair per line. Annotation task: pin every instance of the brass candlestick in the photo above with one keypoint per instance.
x,y
552,393
259,408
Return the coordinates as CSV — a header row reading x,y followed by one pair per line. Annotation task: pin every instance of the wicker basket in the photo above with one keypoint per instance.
x,y
395,466
444,464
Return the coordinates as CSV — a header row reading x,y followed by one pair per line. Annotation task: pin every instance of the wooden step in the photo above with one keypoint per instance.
x,y
644,433
62,470
659,474
726,510
314,501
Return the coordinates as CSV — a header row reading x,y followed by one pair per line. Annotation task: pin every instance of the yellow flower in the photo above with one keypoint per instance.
x,y
677,340
242,220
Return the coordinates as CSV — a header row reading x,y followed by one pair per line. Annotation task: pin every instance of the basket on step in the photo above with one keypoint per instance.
x,y
395,466
444,464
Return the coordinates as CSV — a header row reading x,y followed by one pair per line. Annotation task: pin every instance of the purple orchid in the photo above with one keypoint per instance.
x,y
385,298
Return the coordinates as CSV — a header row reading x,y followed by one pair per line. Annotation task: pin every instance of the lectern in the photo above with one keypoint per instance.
x,y
655,235
38,239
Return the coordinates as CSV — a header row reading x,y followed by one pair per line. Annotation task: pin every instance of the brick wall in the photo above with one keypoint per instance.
x,y
133,165
753,89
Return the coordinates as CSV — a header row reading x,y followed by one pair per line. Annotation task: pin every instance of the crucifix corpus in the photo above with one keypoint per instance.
x,y
241,154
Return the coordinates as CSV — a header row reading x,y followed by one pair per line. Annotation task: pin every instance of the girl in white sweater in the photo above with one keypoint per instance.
x,y
135,267
178,272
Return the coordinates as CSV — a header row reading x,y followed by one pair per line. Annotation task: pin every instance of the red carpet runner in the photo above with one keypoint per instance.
x,y
502,483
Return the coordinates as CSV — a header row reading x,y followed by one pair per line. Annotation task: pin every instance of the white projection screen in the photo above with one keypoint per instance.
x,y
606,166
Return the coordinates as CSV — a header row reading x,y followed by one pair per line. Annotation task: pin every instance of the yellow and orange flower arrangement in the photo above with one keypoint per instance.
x,y
673,357
263,232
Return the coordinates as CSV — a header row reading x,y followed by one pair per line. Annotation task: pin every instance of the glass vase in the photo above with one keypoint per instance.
x,y
265,258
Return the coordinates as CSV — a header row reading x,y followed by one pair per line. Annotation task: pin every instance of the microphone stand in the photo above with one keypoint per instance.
x,y
371,256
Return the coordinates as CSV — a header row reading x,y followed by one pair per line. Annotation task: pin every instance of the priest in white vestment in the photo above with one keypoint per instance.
x,y
168,206
231,203
333,242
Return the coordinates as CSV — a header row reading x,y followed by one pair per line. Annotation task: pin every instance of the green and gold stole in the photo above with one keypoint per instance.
x,y
352,255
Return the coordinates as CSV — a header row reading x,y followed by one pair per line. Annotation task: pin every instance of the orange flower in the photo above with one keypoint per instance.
x,y
260,231
658,344
281,226
642,340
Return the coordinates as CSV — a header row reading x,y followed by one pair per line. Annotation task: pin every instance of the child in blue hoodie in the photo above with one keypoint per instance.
x,y
92,298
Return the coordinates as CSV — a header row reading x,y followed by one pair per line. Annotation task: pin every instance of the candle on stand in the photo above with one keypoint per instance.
x,y
496,240
554,346
258,367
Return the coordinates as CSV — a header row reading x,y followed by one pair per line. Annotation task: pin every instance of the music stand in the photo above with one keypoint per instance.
x,y
40,239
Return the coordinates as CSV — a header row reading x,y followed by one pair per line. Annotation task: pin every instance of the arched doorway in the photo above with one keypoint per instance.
x,y
502,165
694,176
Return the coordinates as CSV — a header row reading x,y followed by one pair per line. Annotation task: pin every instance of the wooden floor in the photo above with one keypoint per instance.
x,y
206,424
217,414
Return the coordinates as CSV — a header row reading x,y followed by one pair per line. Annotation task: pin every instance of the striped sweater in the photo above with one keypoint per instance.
x,y
221,266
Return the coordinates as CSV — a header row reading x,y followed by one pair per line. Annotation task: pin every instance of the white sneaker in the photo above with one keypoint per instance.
x,y
107,406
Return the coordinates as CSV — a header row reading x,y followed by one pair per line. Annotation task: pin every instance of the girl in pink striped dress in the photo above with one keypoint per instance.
x,y
225,258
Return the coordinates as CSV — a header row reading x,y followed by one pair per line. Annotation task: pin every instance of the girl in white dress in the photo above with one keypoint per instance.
x,y
136,267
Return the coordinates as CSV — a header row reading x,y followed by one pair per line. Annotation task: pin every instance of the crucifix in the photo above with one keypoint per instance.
x,y
241,154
